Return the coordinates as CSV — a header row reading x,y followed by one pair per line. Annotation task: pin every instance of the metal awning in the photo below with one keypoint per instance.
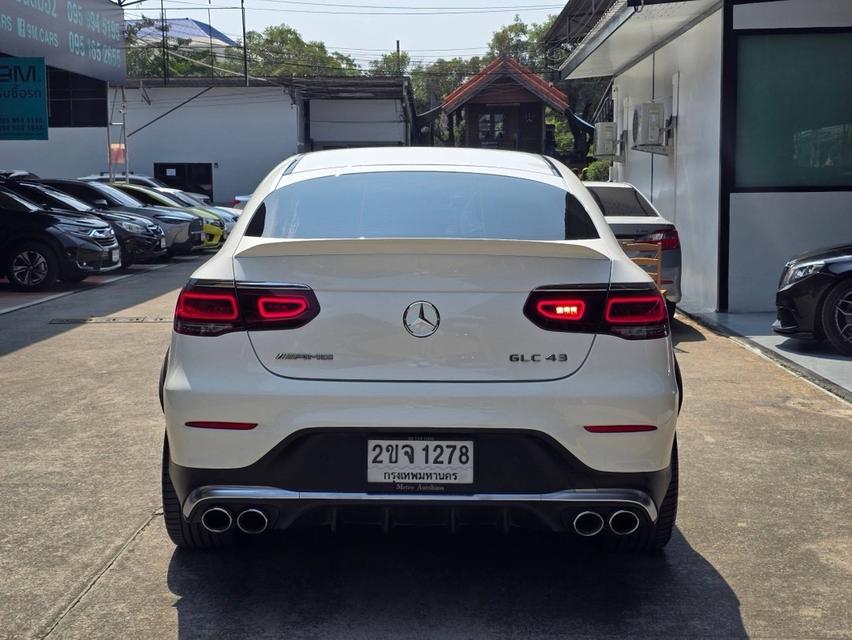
x,y
630,31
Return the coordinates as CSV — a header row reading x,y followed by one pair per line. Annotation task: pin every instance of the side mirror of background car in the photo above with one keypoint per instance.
x,y
100,202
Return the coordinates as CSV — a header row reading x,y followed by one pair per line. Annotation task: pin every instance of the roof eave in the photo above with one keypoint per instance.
x,y
589,46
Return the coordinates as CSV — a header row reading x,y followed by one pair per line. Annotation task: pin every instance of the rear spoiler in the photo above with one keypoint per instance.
x,y
273,247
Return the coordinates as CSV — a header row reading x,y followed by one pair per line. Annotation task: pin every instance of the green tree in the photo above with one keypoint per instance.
x,y
432,82
281,51
391,64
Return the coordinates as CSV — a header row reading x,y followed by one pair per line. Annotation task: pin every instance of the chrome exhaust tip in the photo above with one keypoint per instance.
x,y
216,520
588,523
623,523
252,521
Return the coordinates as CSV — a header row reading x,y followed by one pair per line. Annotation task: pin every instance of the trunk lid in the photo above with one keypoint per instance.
x,y
477,289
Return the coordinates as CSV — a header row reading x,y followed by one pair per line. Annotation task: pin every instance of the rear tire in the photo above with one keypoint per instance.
x,y
650,539
31,266
837,317
185,534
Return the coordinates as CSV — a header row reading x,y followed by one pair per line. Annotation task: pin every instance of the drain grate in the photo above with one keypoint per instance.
x,y
112,320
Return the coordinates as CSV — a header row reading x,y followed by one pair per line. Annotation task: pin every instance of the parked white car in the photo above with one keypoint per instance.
x,y
632,217
402,335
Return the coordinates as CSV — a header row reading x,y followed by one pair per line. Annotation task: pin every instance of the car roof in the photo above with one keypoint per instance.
x,y
442,156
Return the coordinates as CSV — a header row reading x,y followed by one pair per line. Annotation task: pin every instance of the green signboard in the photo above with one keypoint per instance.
x,y
23,99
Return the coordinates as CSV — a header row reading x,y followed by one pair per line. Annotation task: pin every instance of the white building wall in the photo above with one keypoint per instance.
x,y
684,186
243,131
67,153
341,123
767,229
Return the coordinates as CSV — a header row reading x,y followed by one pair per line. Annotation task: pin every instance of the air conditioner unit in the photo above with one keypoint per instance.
x,y
649,127
607,143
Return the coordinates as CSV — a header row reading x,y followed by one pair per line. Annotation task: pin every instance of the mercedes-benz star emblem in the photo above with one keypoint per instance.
x,y
421,319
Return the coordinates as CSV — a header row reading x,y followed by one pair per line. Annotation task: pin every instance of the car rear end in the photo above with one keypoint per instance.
x,y
633,219
429,361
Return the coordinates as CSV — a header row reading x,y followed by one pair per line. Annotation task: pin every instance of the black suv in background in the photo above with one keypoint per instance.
x,y
39,247
183,230
140,239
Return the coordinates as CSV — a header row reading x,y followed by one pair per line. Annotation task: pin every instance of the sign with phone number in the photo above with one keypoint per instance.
x,y
23,99
83,36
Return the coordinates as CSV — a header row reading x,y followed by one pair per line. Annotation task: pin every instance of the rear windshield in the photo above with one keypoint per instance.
x,y
621,201
422,204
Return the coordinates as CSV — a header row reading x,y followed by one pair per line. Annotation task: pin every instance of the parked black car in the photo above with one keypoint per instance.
x,y
39,247
140,239
183,230
814,298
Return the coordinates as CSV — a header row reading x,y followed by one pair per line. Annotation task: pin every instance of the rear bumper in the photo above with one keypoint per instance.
x,y
328,465
621,382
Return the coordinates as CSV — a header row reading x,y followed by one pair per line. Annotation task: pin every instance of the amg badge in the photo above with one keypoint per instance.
x,y
304,356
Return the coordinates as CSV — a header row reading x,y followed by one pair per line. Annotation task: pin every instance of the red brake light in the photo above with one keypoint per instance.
x,y
219,424
619,428
211,307
635,309
563,309
636,312
666,238
281,307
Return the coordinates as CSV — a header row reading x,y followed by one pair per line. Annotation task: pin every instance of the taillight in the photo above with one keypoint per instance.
x,y
574,309
666,238
207,310
563,309
636,312
268,307
630,311
211,309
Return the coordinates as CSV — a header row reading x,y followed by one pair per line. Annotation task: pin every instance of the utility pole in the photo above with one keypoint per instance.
x,y
165,46
398,61
245,44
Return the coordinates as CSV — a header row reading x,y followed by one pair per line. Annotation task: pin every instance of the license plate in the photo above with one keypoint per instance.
x,y
162,243
433,461
114,255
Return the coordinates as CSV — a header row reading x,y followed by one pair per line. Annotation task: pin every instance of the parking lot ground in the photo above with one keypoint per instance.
x,y
12,300
763,546
817,361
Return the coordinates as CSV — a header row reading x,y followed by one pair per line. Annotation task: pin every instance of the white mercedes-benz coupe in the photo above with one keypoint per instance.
x,y
420,336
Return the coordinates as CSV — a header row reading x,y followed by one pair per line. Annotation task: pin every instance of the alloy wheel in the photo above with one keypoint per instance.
x,y
29,268
843,317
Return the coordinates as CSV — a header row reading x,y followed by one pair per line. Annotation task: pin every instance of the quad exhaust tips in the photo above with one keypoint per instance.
x,y
623,523
216,520
588,524
252,521
219,520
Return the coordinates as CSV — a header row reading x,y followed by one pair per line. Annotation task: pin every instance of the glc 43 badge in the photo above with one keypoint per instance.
x,y
538,357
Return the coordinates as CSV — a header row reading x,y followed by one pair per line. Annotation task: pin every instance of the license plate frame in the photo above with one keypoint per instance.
x,y
409,465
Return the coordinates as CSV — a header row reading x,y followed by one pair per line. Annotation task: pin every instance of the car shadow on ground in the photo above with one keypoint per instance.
x,y
812,348
24,327
682,332
414,584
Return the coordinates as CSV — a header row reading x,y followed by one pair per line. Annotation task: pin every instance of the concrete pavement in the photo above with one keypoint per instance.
x,y
763,547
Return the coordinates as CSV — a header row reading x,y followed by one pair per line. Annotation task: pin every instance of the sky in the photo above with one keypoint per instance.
x,y
363,32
